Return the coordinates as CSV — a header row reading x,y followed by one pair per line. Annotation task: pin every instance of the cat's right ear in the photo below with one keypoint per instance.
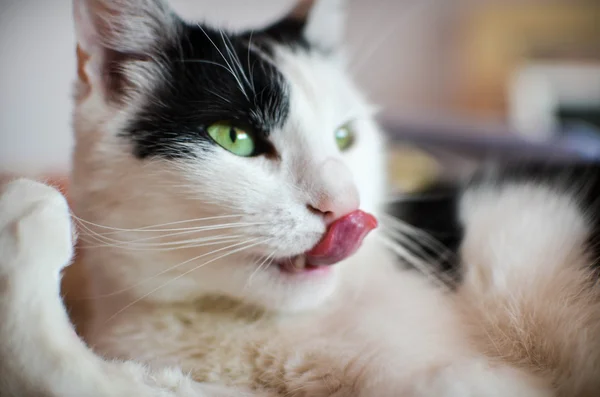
x,y
320,22
114,37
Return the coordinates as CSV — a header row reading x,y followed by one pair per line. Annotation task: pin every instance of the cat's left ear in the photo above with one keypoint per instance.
x,y
320,22
113,36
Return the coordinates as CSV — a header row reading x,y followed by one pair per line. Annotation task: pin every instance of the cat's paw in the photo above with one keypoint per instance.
x,y
35,226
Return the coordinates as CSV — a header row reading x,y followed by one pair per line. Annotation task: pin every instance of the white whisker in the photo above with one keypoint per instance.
x,y
406,229
263,55
433,264
151,228
250,68
415,261
267,258
411,244
183,275
221,97
229,67
233,56
171,268
167,235
180,246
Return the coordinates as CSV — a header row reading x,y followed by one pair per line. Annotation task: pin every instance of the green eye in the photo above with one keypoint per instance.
x,y
233,139
344,137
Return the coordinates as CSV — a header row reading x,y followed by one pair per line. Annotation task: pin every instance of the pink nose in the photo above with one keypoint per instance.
x,y
337,195
334,208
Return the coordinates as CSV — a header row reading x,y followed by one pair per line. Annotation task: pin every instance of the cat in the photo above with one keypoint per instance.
x,y
210,171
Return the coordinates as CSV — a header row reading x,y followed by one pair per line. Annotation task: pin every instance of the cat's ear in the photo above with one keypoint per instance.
x,y
111,33
320,22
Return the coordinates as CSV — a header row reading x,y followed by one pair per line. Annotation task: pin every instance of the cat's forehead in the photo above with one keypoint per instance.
x,y
210,76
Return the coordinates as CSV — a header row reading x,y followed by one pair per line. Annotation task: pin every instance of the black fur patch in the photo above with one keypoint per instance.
x,y
210,76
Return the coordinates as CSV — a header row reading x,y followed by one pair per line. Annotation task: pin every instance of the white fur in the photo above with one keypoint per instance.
x,y
48,359
40,354
366,329
538,304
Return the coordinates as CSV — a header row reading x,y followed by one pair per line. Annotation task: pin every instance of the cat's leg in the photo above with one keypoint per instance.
x,y
40,354
530,293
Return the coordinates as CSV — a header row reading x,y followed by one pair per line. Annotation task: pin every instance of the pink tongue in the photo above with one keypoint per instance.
x,y
342,239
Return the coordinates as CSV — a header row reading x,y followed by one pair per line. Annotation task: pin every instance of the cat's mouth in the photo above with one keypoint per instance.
x,y
341,240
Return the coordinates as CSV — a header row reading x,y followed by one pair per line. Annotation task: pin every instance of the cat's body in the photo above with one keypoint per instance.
x,y
189,232
311,353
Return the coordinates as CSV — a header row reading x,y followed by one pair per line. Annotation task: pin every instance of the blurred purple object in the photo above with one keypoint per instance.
x,y
582,138
577,142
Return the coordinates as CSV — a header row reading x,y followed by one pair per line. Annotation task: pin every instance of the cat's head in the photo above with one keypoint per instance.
x,y
261,134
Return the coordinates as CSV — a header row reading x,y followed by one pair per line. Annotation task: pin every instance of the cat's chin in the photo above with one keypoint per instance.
x,y
289,285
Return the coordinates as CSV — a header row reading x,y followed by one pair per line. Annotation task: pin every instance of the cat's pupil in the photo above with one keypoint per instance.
x,y
232,135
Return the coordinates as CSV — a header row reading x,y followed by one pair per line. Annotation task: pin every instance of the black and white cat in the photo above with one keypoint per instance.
x,y
218,177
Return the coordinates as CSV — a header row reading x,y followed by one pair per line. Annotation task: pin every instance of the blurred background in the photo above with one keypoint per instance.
x,y
457,80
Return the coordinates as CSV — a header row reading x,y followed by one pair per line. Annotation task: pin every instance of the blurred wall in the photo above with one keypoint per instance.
x,y
405,53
